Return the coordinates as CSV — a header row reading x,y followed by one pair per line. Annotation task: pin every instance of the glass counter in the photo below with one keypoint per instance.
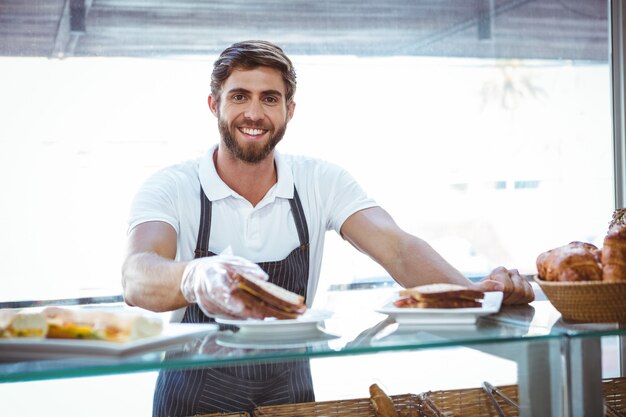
x,y
557,362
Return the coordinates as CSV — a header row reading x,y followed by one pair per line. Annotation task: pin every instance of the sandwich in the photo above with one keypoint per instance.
x,y
96,324
440,295
65,323
18,323
265,299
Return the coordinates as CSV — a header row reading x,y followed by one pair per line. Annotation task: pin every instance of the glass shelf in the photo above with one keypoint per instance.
x,y
357,334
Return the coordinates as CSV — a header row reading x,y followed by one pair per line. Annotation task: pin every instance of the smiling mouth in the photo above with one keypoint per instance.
x,y
250,131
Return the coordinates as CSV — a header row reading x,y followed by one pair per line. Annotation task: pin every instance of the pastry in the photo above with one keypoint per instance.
x,y
576,261
381,402
614,254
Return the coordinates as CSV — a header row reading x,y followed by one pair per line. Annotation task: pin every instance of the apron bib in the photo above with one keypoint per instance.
x,y
240,387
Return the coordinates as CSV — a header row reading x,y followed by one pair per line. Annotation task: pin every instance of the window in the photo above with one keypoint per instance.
x,y
483,127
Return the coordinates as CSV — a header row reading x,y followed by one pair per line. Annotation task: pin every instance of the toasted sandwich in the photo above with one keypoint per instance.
x,y
265,299
439,295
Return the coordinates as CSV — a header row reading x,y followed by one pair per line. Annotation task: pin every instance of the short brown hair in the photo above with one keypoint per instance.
x,y
248,55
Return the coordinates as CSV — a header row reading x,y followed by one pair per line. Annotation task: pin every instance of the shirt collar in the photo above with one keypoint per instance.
x,y
284,186
216,189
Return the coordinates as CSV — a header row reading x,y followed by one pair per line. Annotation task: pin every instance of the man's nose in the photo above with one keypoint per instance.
x,y
254,110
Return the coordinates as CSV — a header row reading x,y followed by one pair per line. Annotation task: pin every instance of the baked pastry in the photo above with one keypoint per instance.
x,y
381,402
614,254
576,261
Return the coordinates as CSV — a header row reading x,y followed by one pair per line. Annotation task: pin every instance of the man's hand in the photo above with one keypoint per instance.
x,y
516,289
207,282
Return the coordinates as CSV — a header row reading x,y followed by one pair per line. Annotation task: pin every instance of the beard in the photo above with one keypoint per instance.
x,y
251,153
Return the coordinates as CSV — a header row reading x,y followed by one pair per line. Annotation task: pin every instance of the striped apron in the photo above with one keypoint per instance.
x,y
240,387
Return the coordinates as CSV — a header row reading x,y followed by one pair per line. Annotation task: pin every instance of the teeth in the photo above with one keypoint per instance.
x,y
253,132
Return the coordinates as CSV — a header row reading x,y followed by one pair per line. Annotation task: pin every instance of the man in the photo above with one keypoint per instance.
x,y
272,211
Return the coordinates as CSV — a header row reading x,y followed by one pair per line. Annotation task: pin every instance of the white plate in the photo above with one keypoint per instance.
x,y
305,324
491,304
281,341
173,333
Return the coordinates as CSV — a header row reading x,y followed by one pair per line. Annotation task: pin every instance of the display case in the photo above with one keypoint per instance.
x,y
557,364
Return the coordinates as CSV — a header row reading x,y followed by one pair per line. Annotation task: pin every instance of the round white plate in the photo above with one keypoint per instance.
x,y
305,324
491,304
272,341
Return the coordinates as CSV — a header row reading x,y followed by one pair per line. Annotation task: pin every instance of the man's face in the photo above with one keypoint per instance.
x,y
252,113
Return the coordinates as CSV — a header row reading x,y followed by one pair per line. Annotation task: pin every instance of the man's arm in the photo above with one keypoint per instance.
x,y
408,259
150,276
411,261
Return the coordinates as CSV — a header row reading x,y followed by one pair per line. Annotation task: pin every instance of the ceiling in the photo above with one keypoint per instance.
x,y
531,29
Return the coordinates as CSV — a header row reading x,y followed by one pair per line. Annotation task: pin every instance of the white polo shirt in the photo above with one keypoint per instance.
x,y
267,232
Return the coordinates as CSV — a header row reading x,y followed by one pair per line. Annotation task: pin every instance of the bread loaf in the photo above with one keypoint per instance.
x,y
576,261
381,402
614,254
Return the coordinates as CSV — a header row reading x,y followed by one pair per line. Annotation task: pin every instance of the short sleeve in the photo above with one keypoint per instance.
x,y
342,196
156,200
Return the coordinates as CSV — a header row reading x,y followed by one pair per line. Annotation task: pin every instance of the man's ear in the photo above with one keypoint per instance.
x,y
290,109
213,105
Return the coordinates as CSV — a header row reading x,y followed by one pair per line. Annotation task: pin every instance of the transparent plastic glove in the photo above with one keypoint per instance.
x,y
207,282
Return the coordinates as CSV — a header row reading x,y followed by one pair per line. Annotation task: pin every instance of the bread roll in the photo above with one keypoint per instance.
x,y
576,261
614,254
381,402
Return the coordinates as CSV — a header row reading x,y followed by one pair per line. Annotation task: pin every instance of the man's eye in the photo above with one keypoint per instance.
x,y
238,97
271,99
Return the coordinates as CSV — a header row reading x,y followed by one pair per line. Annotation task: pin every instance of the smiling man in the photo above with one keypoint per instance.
x,y
272,211
259,115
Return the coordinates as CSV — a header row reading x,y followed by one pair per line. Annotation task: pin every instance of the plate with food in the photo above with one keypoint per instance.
x,y
272,310
441,304
61,332
308,322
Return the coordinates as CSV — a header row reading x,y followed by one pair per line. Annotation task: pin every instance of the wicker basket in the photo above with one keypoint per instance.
x,y
472,402
588,301
407,405
614,392
240,414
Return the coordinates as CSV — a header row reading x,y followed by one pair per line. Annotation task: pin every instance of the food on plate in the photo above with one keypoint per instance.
x,y
66,323
265,299
576,261
381,402
439,295
17,323
614,254
111,326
